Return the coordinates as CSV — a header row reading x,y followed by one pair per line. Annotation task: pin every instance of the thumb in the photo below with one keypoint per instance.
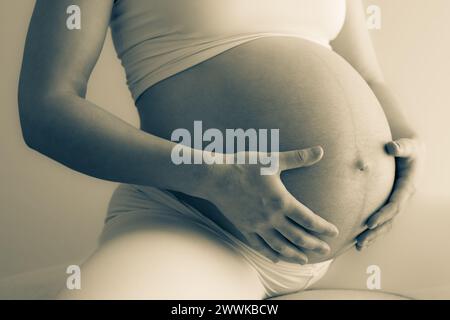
x,y
300,158
403,148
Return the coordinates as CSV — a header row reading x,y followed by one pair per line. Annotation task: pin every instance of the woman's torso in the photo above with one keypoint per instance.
x,y
308,92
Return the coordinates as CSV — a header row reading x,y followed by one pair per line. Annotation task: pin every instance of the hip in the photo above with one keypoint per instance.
x,y
131,202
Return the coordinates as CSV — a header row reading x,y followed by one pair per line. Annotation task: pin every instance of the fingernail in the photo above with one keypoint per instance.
x,y
317,151
391,147
334,232
396,146
372,226
324,249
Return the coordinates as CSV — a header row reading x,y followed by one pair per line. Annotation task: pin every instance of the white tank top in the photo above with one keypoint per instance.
x,y
156,39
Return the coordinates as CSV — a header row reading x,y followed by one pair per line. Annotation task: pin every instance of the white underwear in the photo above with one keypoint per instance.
x,y
277,278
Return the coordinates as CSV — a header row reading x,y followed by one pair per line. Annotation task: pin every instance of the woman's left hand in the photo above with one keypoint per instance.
x,y
408,154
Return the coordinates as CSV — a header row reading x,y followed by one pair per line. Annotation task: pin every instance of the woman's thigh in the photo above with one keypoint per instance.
x,y
162,258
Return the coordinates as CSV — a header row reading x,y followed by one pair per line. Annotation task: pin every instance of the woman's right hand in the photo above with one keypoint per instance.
x,y
262,209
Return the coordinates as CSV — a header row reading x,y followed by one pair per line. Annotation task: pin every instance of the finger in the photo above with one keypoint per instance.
x,y
360,247
403,148
298,236
388,212
285,248
257,243
403,191
368,236
404,188
311,221
300,158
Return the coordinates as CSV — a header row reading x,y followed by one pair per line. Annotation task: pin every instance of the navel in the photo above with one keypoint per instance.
x,y
362,165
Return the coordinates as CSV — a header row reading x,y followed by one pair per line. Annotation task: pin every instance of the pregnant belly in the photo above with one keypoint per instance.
x,y
309,93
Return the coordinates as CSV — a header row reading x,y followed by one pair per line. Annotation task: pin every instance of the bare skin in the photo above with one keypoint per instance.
x,y
53,108
315,98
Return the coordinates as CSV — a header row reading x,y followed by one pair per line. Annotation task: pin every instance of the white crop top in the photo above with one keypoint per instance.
x,y
156,39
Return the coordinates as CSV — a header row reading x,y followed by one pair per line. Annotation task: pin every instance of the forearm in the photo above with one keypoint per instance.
x,y
88,139
398,120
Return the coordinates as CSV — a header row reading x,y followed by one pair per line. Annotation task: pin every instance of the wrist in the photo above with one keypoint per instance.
x,y
202,179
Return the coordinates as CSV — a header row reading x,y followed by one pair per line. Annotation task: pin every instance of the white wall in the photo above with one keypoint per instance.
x,y
50,215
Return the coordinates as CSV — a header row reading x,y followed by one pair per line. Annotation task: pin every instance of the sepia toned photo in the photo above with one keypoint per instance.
x,y
225,150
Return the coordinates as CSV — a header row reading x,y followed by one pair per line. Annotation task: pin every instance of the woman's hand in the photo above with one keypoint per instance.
x,y
408,153
268,216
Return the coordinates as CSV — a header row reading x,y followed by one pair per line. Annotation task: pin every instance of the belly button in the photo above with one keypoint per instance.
x,y
362,165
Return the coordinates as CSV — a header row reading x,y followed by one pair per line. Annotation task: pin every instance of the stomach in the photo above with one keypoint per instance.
x,y
314,97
